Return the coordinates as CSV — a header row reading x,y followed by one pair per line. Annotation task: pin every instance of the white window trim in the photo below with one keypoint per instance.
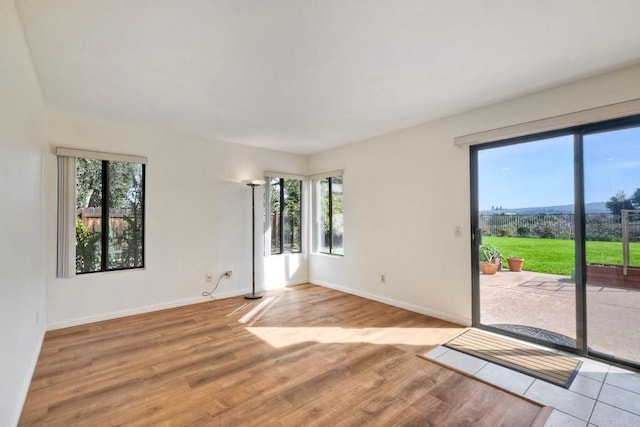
x,y
319,176
99,155
269,174
607,112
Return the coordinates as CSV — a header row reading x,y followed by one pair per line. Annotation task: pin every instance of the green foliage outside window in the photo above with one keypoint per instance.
x,y
286,215
87,248
331,215
125,222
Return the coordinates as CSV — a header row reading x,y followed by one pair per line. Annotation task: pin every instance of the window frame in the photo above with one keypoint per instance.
x,y
318,213
105,220
67,211
281,184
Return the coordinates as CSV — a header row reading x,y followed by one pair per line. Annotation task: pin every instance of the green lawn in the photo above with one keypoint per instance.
x,y
557,256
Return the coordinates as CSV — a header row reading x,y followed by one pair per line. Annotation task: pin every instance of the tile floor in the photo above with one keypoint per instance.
x,y
600,395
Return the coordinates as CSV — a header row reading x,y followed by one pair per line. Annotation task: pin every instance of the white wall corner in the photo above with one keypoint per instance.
x,y
27,380
280,285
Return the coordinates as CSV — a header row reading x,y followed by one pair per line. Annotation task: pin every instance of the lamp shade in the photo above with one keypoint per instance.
x,y
253,182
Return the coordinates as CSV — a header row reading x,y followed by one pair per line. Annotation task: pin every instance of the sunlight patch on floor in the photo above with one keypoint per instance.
x,y
259,310
285,336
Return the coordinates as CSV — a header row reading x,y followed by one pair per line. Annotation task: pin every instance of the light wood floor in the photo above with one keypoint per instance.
x,y
301,356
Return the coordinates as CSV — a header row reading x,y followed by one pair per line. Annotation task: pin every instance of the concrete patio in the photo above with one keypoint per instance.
x,y
533,303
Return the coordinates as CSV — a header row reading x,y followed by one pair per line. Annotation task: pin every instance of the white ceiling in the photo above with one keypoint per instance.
x,y
306,75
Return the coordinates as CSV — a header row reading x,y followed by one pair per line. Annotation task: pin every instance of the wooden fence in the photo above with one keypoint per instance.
x,y
92,217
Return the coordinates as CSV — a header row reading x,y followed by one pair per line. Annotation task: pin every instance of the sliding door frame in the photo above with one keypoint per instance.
x,y
579,240
578,133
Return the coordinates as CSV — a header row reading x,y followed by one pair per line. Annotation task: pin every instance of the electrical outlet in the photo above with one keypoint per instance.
x,y
383,278
208,277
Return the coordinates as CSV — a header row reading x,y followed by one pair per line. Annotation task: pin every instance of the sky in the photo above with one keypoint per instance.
x,y
540,173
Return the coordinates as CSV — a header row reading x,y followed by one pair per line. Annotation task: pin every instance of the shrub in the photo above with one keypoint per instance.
x,y
523,231
544,231
87,248
504,232
602,237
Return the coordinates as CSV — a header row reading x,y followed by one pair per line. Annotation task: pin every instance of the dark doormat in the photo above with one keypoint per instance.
x,y
542,364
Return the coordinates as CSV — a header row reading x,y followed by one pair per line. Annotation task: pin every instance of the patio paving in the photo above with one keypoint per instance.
x,y
533,303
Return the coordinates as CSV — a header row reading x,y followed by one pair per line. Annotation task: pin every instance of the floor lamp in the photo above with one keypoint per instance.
x,y
253,184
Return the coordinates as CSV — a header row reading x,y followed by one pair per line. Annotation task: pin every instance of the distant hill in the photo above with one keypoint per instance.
x,y
594,207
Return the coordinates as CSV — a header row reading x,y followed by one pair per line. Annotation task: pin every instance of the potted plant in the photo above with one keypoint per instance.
x,y
490,259
515,263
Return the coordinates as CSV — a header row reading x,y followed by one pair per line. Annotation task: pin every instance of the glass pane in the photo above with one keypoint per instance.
x,y
125,237
89,215
612,200
337,229
292,232
526,212
324,233
275,215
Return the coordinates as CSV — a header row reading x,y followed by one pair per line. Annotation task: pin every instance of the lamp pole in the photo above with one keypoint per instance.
x,y
253,184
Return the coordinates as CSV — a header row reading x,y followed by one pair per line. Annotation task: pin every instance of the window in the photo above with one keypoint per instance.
x,y
101,212
329,215
285,215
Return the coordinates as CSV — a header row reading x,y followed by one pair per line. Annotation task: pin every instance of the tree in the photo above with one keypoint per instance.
x,y
635,199
129,194
292,230
285,214
88,183
125,214
275,214
619,202
331,219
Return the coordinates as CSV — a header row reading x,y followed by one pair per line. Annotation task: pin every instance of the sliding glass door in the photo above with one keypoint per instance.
x,y
556,242
612,184
526,217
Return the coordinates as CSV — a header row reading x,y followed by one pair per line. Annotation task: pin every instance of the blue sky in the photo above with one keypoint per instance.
x,y
540,173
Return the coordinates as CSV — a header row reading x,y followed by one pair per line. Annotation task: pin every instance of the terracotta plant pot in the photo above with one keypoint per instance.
x,y
515,264
488,267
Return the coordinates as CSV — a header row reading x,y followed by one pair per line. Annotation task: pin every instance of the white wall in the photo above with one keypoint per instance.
x,y
405,192
22,277
198,220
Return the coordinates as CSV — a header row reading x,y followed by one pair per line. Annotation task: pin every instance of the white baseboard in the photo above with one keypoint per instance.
x,y
141,310
401,304
156,307
27,382
187,301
